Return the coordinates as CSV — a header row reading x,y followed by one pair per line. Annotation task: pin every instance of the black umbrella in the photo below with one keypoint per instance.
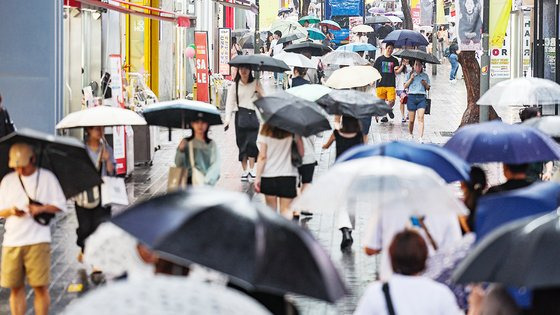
x,y
180,113
227,232
417,54
260,63
353,103
66,157
314,48
521,253
293,114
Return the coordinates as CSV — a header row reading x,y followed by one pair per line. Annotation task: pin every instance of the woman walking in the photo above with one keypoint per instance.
x,y
276,174
418,85
241,96
199,155
443,40
401,92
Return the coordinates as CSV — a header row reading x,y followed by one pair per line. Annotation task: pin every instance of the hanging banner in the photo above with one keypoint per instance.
x,y
469,24
119,133
527,44
201,62
499,21
426,12
268,13
500,59
224,44
440,18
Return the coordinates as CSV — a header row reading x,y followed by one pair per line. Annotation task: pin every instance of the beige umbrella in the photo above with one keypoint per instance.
x,y
362,29
353,76
101,116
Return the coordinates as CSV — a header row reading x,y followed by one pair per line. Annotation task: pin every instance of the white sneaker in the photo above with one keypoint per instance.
x,y
252,175
420,140
245,176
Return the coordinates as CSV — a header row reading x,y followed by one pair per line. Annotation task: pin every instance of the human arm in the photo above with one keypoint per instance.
x,y
108,160
35,209
398,67
401,67
180,156
409,79
213,172
5,213
547,174
230,105
426,83
299,144
259,89
329,142
261,162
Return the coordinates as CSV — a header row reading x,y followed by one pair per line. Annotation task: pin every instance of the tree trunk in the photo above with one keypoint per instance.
x,y
471,75
407,23
305,8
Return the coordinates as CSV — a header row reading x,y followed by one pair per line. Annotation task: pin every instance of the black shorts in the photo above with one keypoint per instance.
x,y
306,172
283,186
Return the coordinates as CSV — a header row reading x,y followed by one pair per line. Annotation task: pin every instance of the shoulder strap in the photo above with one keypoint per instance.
x,y
24,190
388,301
191,154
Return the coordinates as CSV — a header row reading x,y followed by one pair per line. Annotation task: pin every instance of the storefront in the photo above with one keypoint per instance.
x,y
546,44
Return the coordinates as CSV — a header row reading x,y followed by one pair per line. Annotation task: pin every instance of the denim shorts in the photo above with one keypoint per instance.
x,y
416,101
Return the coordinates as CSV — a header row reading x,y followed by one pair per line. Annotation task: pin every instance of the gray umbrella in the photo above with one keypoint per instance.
x,y
417,54
549,125
353,103
377,19
522,253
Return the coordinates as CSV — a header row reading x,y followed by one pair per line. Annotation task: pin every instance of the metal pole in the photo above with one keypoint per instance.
x,y
485,58
517,42
257,37
434,37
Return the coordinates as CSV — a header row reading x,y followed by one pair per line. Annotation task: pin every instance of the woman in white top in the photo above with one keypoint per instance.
x,y
404,68
241,96
276,175
407,292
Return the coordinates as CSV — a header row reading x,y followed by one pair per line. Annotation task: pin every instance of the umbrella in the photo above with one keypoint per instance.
x,y
295,35
239,32
180,113
377,19
101,116
353,103
344,58
293,114
496,141
394,19
356,47
314,48
395,13
418,55
64,156
448,165
309,18
496,209
548,124
406,38
381,182
310,92
315,34
373,10
522,91
521,253
284,26
225,231
362,29
330,24
164,295
284,11
353,76
247,41
260,63
295,60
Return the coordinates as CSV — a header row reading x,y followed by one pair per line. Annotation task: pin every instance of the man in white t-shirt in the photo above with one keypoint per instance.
x,y
275,50
26,244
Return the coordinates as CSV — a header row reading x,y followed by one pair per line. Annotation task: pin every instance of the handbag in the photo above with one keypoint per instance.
x,y
198,178
247,119
297,159
428,109
43,218
113,191
177,178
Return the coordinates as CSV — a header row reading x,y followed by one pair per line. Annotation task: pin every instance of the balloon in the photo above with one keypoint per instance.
x,y
189,52
192,45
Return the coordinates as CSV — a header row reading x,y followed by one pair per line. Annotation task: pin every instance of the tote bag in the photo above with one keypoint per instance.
x,y
177,178
113,192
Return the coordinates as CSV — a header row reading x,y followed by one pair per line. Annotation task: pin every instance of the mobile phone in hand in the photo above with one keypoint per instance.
x,y
226,128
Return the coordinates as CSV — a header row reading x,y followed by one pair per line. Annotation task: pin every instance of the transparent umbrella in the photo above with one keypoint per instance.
x,y
522,91
343,58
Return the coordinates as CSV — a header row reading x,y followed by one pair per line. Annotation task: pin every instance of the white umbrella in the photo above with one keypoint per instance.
x,y
296,60
394,19
164,295
343,58
522,91
363,28
101,116
310,92
353,76
385,183
286,27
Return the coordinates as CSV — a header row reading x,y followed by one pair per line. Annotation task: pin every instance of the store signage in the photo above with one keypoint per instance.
x,y
201,64
224,50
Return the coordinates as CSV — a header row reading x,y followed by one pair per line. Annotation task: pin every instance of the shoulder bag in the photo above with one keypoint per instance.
x,y
246,118
388,300
428,109
43,218
198,178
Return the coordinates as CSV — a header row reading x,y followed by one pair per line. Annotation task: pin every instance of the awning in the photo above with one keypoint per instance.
x,y
147,12
243,4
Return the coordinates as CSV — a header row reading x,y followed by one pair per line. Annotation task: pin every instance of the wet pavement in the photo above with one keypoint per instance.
x,y
448,104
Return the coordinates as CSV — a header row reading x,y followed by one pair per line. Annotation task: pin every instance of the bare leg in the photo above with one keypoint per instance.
x,y
42,300
285,210
365,138
17,301
251,163
421,121
411,116
244,164
304,187
271,202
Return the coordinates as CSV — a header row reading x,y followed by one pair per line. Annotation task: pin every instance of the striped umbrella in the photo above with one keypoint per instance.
x,y
330,24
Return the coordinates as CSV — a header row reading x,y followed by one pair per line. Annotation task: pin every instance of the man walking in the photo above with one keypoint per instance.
x,y
388,66
27,192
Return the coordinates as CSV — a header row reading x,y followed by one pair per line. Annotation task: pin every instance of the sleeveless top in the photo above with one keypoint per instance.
x,y
343,143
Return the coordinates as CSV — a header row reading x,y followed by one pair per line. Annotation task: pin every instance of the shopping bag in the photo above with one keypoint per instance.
x,y
113,192
177,178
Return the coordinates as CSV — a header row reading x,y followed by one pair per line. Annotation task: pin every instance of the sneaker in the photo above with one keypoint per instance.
x,y
403,120
420,140
391,115
251,175
384,119
245,176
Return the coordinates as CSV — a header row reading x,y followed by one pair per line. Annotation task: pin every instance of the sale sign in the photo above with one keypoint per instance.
x,y
201,64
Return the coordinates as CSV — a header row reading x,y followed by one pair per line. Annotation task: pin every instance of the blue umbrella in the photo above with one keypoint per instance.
x,y
497,209
406,38
315,34
499,142
448,165
356,47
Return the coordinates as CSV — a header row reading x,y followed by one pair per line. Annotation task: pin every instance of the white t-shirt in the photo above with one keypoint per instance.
x,y
278,156
277,48
411,295
401,78
22,231
308,150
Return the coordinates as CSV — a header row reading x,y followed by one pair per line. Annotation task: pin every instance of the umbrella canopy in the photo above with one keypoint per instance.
x,y
445,163
330,24
356,47
344,58
310,92
373,10
239,32
353,103
284,26
64,156
406,38
495,210
314,48
362,29
377,19
521,253
394,19
293,114
260,63
315,34
180,113
310,19
353,76
225,231
548,124
381,182
284,11
101,116
418,55
395,13
295,60
295,35
496,141
522,91
164,295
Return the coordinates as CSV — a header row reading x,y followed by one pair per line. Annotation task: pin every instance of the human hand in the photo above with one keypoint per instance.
x,y
226,126
476,297
325,146
17,212
546,176
35,209
105,154
257,185
182,145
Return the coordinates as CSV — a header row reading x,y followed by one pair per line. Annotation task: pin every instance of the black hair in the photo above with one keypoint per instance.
x,y
238,77
528,112
517,168
350,125
475,188
278,33
233,41
301,71
390,44
206,138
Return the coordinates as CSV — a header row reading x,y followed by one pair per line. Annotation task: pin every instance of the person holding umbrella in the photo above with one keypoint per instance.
x,y
418,85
